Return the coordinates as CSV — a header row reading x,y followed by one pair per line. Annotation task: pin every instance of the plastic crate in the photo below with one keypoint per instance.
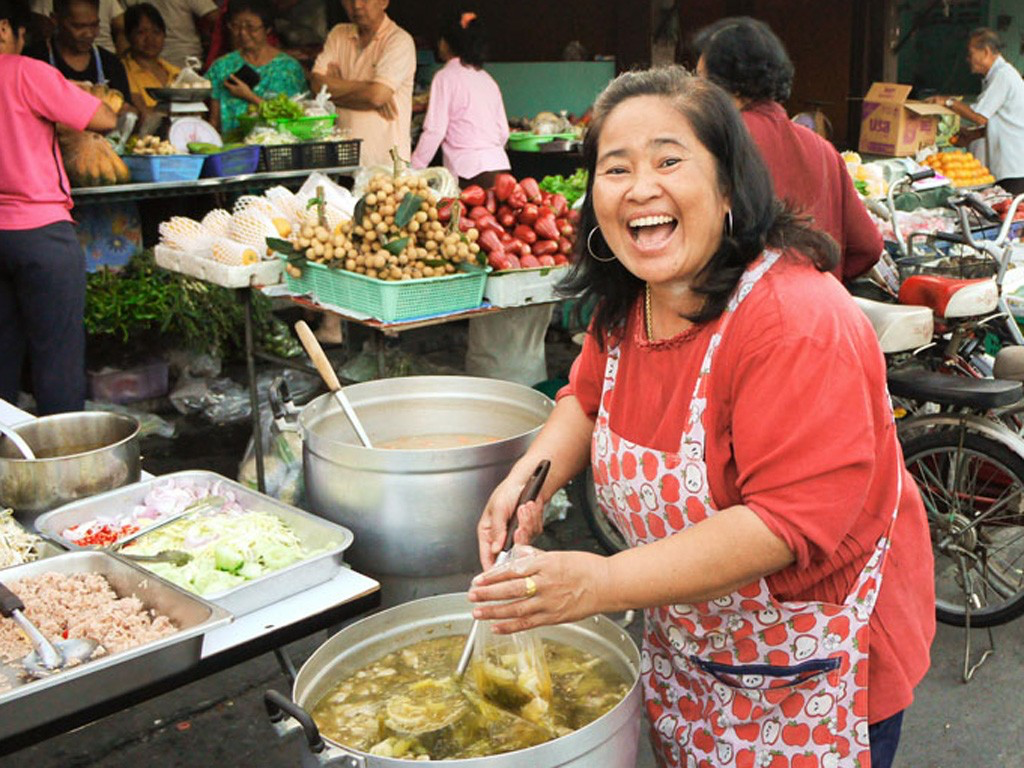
x,y
165,167
279,157
308,127
520,287
391,301
233,162
329,154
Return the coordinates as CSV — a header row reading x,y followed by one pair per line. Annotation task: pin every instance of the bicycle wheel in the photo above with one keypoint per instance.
x,y
973,492
584,498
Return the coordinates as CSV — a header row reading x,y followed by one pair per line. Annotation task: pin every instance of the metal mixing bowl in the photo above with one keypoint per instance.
x,y
79,454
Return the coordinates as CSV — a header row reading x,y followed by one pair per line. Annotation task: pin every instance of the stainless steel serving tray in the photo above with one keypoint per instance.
x,y
314,532
37,702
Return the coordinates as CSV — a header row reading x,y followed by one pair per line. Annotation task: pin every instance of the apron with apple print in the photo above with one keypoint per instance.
x,y
743,680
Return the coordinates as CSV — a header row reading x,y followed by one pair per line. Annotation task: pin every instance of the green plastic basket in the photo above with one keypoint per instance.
x,y
391,301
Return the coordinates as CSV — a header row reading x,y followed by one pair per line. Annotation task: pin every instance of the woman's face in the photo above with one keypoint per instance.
x,y
147,40
656,192
247,31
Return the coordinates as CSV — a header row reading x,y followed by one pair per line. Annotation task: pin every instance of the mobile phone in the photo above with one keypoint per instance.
x,y
247,75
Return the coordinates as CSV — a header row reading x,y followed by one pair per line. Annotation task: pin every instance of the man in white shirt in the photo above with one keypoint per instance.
x,y
999,110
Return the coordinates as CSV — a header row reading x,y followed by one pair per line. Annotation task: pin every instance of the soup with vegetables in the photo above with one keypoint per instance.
x,y
407,705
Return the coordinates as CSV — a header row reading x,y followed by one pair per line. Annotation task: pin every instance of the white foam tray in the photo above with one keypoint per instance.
x,y
202,265
521,287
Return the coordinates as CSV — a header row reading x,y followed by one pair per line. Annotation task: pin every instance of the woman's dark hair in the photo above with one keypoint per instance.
x,y
255,7
465,35
745,57
15,13
759,220
136,13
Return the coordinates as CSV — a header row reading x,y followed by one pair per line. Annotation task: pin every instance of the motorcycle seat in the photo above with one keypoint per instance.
x,y
950,297
899,328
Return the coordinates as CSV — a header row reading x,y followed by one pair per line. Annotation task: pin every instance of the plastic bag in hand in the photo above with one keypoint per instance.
x,y
512,670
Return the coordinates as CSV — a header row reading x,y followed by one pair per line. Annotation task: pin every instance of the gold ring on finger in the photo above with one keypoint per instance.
x,y
531,586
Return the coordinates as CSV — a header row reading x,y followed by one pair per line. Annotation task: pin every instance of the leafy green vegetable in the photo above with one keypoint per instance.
x,y
142,309
571,188
279,108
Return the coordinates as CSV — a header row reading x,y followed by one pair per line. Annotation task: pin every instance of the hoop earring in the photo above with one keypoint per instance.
x,y
728,223
590,248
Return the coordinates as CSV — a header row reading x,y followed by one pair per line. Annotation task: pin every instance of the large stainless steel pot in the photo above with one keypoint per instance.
x,y
611,741
90,452
414,512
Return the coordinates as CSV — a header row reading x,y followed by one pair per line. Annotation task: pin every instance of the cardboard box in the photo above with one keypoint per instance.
x,y
891,124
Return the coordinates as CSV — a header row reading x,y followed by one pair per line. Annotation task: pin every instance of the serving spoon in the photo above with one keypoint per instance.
x,y
529,493
323,366
46,657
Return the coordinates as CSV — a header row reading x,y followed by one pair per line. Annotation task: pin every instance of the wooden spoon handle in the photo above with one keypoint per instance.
x,y
317,355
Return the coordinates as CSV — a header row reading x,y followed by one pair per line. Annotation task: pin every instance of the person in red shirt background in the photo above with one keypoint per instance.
x,y
744,57
42,266
732,401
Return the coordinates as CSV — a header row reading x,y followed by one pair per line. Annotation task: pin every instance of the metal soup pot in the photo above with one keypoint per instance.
x,y
414,512
80,454
611,741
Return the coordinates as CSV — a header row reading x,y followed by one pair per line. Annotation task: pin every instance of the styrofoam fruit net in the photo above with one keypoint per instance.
x,y
217,222
284,200
253,228
233,253
282,221
184,234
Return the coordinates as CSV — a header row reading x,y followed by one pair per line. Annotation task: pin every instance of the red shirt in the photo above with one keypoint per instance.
x,y
799,429
34,189
809,173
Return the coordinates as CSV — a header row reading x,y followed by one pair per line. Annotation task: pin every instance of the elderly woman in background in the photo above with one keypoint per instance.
x,y
249,22
745,57
732,400
146,31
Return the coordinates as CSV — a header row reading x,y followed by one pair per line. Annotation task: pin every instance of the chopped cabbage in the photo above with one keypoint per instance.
x,y
228,548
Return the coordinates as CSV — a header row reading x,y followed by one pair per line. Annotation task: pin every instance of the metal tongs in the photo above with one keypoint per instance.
x,y
529,493
46,657
175,557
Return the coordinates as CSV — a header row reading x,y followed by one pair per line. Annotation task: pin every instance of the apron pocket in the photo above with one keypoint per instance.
x,y
755,693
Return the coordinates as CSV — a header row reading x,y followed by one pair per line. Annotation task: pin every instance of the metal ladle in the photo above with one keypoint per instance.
x,y
19,442
529,493
323,366
46,657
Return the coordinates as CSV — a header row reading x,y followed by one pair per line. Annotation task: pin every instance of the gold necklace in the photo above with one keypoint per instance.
x,y
647,311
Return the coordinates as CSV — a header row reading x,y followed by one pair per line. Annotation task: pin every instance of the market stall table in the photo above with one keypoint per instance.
x,y
327,605
219,184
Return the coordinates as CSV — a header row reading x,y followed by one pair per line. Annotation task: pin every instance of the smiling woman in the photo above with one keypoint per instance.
x,y
731,399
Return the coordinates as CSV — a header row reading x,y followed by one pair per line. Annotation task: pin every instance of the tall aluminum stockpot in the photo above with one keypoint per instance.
x,y
611,741
414,512
86,452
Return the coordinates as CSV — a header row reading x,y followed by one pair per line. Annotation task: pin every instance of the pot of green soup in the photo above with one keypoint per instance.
x,y
381,694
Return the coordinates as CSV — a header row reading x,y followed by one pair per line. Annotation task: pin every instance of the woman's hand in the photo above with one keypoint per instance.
x,y
543,587
493,525
240,90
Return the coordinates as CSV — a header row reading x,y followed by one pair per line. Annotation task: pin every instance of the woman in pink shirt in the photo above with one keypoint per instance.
x,y
42,267
466,116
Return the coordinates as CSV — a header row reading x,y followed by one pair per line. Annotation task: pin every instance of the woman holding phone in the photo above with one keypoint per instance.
x,y
255,70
